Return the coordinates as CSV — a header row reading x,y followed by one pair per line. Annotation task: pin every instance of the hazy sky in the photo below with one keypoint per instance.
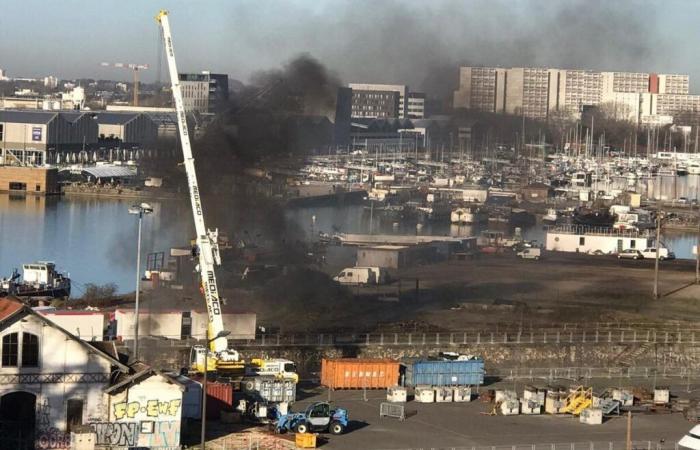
x,y
417,42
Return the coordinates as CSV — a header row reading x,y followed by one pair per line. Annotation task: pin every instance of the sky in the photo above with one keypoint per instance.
x,y
416,42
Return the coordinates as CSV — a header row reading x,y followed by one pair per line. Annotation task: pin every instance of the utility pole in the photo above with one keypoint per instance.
x,y
697,252
629,430
657,245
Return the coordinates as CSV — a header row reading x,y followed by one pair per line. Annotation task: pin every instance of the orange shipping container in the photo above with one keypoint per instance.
x,y
359,373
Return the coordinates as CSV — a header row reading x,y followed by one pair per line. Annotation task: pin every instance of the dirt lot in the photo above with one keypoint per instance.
x,y
560,287
487,291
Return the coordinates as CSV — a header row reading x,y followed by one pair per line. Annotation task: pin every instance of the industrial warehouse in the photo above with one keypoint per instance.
x,y
466,225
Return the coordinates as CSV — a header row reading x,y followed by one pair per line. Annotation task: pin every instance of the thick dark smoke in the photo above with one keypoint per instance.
x,y
303,86
282,112
281,115
421,43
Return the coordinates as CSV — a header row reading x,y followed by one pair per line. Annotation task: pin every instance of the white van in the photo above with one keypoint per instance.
x,y
362,275
650,253
530,253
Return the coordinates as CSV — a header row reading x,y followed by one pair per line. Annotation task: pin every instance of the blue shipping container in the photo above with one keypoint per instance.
x,y
446,373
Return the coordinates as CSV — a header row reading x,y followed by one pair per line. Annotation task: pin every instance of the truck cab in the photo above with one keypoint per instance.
x,y
277,367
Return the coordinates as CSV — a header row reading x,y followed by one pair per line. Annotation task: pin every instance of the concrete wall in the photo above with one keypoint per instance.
x,y
380,257
565,242
147,415
89,326
169,324
58,356
45,179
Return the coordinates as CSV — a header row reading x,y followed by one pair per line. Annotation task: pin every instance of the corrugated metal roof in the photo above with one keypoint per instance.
x,y
27,116
110,171
74,116
115,118
105,171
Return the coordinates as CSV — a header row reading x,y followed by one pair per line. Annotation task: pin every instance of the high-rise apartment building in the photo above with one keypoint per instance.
x,y
540,92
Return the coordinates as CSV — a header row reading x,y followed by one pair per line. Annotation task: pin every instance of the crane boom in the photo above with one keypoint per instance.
x,y
206,239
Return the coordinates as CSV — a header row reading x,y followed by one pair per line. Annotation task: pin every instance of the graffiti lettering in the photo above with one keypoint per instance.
x,y
152,408
52,438
121,434
165,434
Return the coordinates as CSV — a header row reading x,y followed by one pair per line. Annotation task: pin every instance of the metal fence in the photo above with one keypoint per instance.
x,y
394,410
636,445
455,338
583,373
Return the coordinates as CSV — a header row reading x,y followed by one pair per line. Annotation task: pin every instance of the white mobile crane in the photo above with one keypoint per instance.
x,y
221,357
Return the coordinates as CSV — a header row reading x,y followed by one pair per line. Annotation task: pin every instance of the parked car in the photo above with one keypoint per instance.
x,y
630,253
650,253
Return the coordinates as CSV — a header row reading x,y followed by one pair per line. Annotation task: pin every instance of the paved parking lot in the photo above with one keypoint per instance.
x,y
440,425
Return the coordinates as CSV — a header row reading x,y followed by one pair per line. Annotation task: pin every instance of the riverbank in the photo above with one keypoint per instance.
x,y
91,190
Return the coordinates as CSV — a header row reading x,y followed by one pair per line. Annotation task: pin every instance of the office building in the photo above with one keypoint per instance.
x,y
375,104
204,92
416,105
400,89
541,92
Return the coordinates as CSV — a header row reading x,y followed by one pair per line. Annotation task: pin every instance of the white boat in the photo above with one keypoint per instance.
x,y
693,168
39,279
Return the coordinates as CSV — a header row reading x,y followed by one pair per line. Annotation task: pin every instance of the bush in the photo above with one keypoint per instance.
x,y
99,292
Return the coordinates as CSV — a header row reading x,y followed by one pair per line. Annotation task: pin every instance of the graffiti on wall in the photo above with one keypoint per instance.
x,y
52,438
116,433
151,408
165,434
48,437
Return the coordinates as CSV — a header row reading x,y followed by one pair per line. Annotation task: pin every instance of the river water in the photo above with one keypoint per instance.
x,y
94,239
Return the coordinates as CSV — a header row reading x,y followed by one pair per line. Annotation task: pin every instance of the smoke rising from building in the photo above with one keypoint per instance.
x,y
422,43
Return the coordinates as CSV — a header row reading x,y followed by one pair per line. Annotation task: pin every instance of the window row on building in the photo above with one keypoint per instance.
x,y
537,92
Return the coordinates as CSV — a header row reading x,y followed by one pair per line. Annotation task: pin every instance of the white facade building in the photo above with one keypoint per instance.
x,y
86,325
146,410
50,381
579,240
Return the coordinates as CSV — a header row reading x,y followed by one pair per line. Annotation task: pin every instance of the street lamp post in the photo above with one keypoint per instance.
x,y
221,334
139,210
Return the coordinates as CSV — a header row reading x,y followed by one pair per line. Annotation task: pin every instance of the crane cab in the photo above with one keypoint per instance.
x,y
214,362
